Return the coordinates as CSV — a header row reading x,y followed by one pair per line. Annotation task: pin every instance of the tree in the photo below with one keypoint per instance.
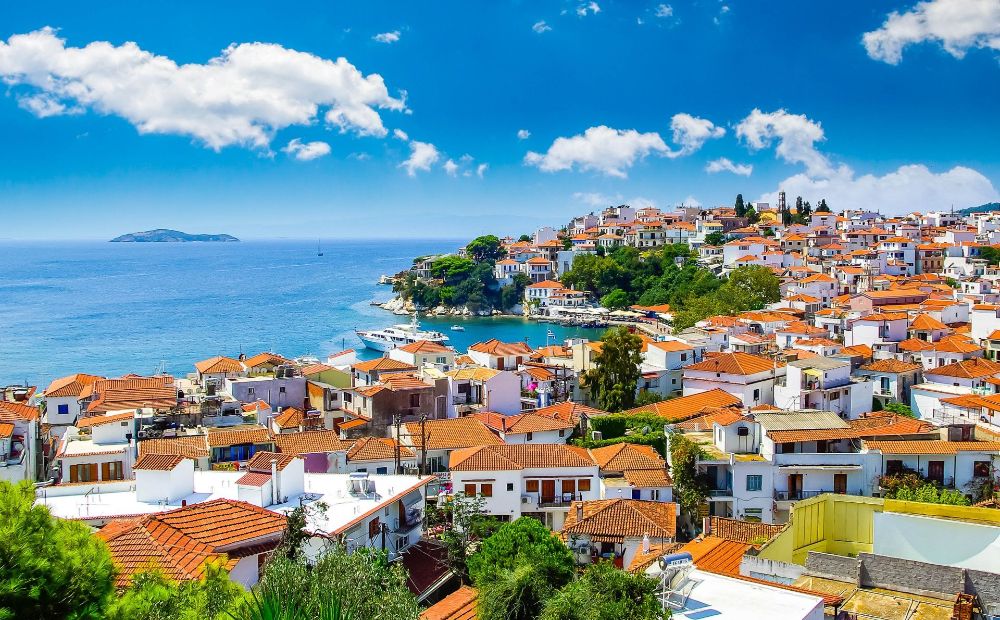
x,y
49,568
648,398
715,238
463,522
751,288
363,582
515,594
452,269
613,380
690,487
740,206
525,238
605,593
522,540
486,248
822,206
991,254
752,216
616,300
901,409
153,596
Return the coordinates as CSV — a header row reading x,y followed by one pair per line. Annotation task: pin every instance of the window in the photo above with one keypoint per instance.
x,y
374,527
583,485
347,397
250,391
569,486
281,389
112,471
414,400
654,495
755,482
470,490
510,486
756,395
381,470
981,469
486,490
531,486
562,432
63,409
529,436
893,467
684,357
835,396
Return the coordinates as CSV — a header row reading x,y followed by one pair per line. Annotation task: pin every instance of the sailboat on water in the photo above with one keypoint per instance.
x,y
319,249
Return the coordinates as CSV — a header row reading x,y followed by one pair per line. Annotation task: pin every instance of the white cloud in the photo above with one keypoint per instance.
x,y
481,170
692,132
387,37
423,155
304,151
242,97
450,168
597,199
664,10
541,26
601,148
958,25
399,134
588,7
523,134
796,135
691,201
909,188
724,164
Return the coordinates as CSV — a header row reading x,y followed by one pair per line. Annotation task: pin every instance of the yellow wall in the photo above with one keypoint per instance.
x,y
840,524
963,513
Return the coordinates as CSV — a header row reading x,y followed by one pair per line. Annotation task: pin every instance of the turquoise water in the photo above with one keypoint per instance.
x,y
116,308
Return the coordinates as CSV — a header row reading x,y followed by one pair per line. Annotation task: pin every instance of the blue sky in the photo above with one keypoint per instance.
x,y
105,139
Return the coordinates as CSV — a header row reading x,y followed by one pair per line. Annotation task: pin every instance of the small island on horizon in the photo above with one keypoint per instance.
x,y
165,235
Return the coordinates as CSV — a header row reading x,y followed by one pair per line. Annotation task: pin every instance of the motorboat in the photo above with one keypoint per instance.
x,y
398,336
457,328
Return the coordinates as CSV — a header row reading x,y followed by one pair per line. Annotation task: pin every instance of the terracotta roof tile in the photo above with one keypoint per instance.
x,y
265,359
685,407
234,437
891,365
623,456
967,369
101,420
932,446
383,363
189,446
734,364
522,423
496,347
425,346
451,434
459,605
612,520
743,531
519,456
310,442
70,386
218,364
569,411
376,449
158,462
261,461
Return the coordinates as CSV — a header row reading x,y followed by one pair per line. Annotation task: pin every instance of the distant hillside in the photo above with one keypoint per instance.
x,y
989,206
165,235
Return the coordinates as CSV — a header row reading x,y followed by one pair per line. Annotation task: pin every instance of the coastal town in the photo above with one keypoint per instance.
x,y
793,413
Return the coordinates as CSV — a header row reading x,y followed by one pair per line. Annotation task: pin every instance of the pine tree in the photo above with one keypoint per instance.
x,y
741,208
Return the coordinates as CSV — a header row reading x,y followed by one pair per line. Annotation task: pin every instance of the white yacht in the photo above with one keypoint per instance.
x,y
398,336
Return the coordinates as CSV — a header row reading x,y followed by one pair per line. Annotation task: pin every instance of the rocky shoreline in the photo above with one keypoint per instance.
x,y
398,305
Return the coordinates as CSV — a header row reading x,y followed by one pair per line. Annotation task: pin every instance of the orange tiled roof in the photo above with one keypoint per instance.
x,y
742,531
157,462
519,456
310,442
101,420
425,346
967,369
376,449
315,369
914,344
495,347
181,541
522,423
569,411
734,364
685,407
623,456
6,429
891,365
217,364
451,434
926,321
932,446
265,359
383,363
716,555
459,605
189,446
398,382
613,520
261,461
235,437
872,426
70,386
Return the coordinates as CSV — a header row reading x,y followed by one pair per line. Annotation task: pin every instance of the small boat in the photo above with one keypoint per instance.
x,y
385,279
319,249
457,328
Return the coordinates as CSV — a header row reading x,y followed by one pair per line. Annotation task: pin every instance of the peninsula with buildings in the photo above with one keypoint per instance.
x,y
794,414
166,235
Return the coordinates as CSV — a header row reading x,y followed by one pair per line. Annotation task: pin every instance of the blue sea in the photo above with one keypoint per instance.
x,y
117,308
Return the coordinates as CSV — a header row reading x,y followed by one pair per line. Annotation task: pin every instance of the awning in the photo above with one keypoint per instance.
x,y
813,372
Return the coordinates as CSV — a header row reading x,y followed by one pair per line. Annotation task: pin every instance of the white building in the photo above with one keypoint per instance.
x,y
747,377
823,383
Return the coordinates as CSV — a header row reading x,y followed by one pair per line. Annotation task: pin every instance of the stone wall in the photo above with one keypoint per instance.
x,y
921,578
830,566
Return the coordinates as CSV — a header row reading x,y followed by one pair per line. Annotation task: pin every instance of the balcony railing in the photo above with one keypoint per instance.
x,y
794,496
721,492
562,499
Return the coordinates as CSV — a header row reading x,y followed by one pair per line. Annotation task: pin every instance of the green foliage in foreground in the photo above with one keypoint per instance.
x,y
49,568
613,380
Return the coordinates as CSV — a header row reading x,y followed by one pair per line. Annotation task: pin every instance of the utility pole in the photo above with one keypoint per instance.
x,y
423,444
397,420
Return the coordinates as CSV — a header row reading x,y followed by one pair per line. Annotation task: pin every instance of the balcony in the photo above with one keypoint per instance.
x,y
560,500
794,496
720,494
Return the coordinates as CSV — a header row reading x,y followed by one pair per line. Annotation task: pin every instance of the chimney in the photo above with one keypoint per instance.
x,y
274,481
184,503
579,512
706,526
645,542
